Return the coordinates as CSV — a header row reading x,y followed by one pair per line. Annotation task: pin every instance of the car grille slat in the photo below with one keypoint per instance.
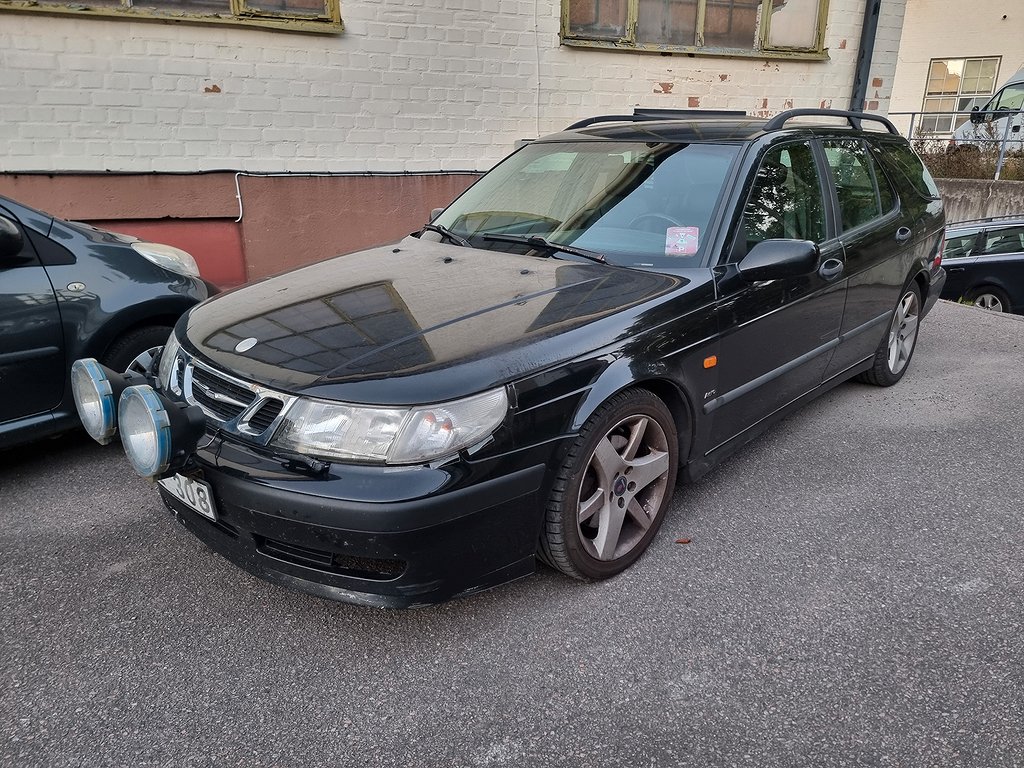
x,y
264,416
379,569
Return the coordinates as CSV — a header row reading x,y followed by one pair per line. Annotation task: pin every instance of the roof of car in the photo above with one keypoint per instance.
x,y
975,224
697,126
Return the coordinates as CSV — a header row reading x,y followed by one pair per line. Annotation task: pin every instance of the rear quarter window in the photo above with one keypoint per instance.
x,y
902,159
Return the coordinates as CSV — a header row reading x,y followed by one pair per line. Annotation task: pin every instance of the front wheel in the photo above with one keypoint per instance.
x,y
135,350
613,488
892,358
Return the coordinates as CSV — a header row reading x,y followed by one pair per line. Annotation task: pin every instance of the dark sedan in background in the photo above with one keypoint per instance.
x,y
69,290
984,261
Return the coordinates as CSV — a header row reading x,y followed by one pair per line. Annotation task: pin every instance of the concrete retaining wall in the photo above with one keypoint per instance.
x,y
975,199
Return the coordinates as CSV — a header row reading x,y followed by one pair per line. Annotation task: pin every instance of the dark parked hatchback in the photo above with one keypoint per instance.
x,y
69,290
608,309
984,260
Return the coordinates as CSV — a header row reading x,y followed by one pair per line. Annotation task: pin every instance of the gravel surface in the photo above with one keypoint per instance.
x,y
852,595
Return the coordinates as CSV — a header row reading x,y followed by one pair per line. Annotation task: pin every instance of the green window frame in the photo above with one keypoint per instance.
x,y
699,27
316,16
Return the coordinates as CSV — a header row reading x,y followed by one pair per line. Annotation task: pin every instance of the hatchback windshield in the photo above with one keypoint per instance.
x,y
637,204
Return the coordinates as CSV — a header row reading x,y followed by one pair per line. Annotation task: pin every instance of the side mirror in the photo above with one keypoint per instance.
x,y
435,213
977,116
775,259
11,239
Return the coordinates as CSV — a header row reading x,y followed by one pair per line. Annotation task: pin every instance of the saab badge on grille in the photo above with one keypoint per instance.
x,y
246,344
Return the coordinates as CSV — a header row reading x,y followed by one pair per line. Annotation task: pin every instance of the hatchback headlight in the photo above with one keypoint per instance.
x,y
168,257
167,357
390,435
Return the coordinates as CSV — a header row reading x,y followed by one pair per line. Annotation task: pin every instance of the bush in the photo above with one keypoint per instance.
x,y
968,161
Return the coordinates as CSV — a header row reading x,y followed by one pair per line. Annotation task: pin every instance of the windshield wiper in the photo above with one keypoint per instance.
x,y
448,235
539,242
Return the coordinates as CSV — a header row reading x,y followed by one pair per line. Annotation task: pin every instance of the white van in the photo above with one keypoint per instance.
x,y
988,124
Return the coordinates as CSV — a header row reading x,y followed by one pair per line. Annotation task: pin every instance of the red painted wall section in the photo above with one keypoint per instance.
x,y
216,244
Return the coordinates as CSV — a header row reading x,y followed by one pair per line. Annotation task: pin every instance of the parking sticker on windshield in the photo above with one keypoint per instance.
x,y
681,241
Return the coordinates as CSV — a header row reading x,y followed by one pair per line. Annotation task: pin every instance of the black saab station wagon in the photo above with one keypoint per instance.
x,y
609,308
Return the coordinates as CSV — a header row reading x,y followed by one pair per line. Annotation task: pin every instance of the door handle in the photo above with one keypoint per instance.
x,y
903,234
954,269
830,269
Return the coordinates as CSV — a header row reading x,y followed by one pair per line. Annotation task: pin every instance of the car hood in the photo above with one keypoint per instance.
x,y
417,322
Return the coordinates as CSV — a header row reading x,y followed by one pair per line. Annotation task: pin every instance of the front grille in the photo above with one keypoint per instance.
x,y
222,398
376,568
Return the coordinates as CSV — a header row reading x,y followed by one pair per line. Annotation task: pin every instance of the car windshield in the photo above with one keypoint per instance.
x,y
637,204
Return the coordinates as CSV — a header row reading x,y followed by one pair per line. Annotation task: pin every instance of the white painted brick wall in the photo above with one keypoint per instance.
x,y
953,29
407,87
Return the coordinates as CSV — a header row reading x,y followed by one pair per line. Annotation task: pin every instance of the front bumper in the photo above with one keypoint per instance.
x,y
403,537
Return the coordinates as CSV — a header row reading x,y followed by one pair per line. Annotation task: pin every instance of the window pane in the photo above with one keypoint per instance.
x,y
988,70
187,6
667,21
959,247
794,24
1006,240
902,158
288,7
858,202
786,199
885,193
599,19
731,24
1012,97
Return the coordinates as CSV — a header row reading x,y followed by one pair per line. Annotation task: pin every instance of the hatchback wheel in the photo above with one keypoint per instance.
x,y
990,298
612,491
892,358
136,349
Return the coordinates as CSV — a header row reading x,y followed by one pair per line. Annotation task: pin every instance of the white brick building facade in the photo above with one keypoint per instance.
x,y
408,87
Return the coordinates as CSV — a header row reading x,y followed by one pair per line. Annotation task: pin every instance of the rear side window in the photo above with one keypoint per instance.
x,y
902,158
1006,240
855,186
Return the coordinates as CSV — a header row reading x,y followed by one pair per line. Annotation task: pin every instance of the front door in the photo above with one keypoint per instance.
x,y
32,371
777,335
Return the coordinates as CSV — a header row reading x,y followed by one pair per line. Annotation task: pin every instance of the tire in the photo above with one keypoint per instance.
x,y
590,549
892,358
135,349
990,298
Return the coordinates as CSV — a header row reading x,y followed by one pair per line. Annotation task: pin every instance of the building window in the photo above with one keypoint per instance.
x,y
956,85
794,28
298,15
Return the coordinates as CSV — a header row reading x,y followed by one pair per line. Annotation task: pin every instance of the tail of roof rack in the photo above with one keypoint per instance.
x,y
642,114
855,118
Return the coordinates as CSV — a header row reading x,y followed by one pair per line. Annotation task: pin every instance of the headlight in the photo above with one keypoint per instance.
x,y
167,356
167,256
145,430
391,435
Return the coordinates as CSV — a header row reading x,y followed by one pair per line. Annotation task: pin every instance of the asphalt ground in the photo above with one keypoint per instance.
x,y
851,595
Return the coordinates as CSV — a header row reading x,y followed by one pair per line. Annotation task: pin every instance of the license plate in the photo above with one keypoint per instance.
x,y
195,494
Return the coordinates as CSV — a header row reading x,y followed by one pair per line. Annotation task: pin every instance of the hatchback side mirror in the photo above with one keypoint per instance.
x,y
775,259
11,239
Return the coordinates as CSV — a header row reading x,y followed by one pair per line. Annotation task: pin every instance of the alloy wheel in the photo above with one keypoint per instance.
x,y
142,361
623,487
989,301
903,331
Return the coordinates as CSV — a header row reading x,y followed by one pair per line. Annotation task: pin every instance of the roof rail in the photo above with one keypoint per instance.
x,y
1008,217
641,114
855,118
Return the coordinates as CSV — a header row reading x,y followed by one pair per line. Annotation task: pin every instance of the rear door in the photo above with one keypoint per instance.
x,y
876,239
32,371
777,335
1000,265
